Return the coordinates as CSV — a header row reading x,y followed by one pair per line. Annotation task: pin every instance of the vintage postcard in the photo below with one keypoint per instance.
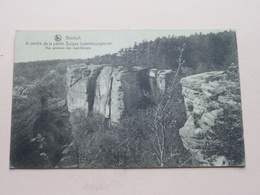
x,y
126,99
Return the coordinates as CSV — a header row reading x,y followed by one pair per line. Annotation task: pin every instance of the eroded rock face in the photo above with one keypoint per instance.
x,y
205,96
81,83
126,92
112,91
40,129
163,79
102,103
160,80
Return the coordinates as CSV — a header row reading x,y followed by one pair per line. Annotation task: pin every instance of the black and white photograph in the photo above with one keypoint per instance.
x,y
126,99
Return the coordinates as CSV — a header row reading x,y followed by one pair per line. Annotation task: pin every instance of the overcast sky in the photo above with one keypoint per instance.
x,y
29,45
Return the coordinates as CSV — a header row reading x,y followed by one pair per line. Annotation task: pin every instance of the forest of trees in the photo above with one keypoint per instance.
x,y
213,51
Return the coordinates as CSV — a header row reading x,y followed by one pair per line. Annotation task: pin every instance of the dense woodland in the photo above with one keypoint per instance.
x,y
148,130
203,53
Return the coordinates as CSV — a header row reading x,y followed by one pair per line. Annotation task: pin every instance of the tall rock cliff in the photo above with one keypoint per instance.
x,y
81,82
113,91
213,132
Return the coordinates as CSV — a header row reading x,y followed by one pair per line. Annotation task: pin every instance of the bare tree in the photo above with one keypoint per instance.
x,y
167,115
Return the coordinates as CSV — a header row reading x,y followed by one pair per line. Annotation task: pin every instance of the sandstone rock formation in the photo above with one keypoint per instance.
x,y
102,103
160,80
206,96
112,91
81,83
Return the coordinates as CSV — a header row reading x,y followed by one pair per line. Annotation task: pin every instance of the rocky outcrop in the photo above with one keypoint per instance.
x,y
160,80
40,129
81,83
102,103
207,96
126,92
112,91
